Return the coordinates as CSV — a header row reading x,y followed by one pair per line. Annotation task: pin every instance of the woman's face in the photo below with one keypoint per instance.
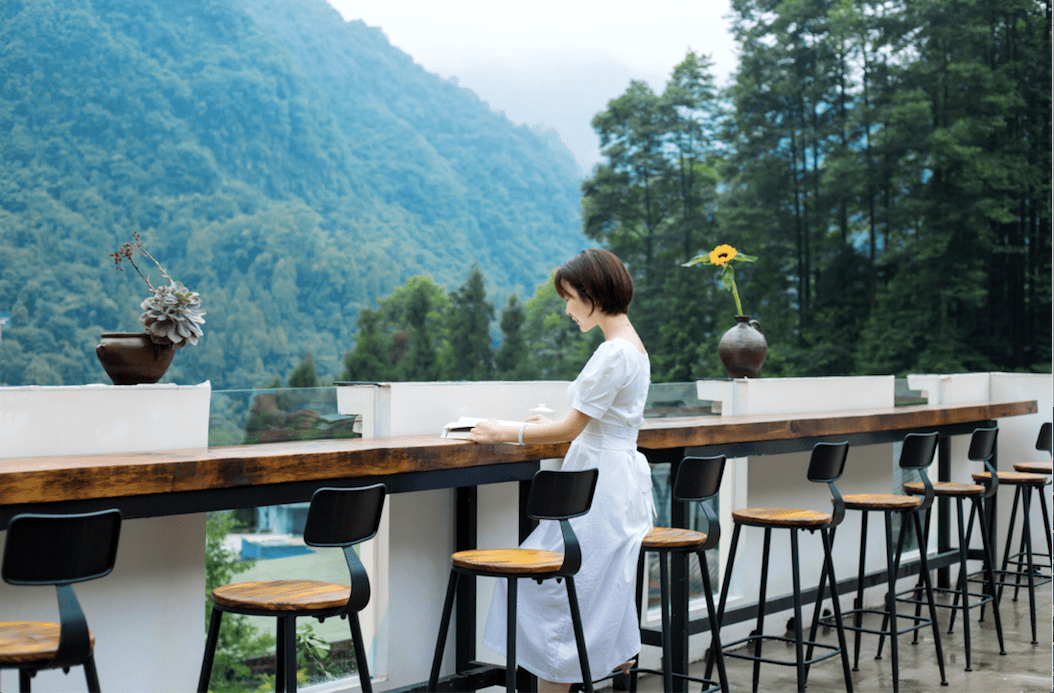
x,y
580,310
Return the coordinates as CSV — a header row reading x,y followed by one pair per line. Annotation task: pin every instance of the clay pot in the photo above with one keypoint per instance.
x,y
131,358
743,348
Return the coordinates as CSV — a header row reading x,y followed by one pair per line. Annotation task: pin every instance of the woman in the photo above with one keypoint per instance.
x,y
607,410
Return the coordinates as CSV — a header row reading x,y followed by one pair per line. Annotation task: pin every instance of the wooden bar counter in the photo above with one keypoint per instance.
x,y
165,483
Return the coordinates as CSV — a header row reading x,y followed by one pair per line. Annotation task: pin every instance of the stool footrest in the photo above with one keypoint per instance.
x,y
1012,578
919,622
709,684
976,598
834,650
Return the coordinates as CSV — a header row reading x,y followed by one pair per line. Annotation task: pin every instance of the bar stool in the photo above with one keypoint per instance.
x,y
917,454
57,550
1024,560
825,466
556,496
337,517
982,449
698,479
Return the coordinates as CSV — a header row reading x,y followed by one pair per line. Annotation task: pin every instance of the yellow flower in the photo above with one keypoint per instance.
x,y
722,255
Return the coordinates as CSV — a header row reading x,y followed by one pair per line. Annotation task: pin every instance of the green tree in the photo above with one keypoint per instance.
x,y
304,374
512,362
468,326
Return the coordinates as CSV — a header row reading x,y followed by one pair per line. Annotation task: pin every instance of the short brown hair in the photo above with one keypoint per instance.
x,y
599,277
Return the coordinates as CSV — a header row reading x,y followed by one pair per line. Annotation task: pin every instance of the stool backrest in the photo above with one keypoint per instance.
x,y
562,496
699,479
982,449
61,550
982,444
918,450
827,461
917,453
1043,442
825,466
344,517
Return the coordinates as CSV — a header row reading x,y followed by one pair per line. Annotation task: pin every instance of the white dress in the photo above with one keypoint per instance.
x,y
611,389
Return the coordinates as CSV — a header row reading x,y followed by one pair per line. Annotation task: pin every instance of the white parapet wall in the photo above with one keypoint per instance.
x,y
148,615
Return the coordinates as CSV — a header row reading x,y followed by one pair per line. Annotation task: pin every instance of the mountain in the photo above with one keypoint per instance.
x,y
289,166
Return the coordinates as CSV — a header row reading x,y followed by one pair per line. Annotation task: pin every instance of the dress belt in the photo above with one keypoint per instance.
x,y
610,440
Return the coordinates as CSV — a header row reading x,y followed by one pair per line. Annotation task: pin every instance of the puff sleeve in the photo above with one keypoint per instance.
x,y
600,381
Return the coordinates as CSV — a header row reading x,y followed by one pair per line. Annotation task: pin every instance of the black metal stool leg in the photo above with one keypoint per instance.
x,y
641,565
510,636
836,606
360,653
210,650
1026,529
667,647
799,644
715,623
989,568
761,608
724,595
858,604
925,568
891,602
279,656
91,676
964,587
580,637
444,626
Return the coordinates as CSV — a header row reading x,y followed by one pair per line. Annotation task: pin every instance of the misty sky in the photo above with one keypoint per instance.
x,y
553,63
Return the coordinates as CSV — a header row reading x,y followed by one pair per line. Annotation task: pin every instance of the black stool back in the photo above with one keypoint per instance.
x,y
62,550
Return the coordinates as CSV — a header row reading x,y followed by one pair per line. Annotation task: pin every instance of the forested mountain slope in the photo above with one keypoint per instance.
x,y
287,165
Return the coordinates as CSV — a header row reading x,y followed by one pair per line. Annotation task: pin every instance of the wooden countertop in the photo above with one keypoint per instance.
x,y
77,477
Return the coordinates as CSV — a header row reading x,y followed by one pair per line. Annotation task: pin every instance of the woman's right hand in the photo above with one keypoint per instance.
x,y
489,431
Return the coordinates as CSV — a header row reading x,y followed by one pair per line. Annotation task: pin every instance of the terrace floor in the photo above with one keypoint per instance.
x,y
1025,667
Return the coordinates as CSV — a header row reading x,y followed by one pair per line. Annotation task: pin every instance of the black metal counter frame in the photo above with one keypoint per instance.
x,y
683,627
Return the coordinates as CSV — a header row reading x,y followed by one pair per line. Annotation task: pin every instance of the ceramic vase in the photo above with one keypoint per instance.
x,y
130,358
743,348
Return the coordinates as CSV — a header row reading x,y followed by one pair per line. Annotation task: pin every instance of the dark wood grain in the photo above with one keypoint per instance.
x,y
25,480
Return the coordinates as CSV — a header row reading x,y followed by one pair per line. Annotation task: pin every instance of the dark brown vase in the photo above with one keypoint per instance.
x,y
131,358
743,348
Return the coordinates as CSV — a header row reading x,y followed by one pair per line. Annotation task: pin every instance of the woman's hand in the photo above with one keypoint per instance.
x,y
489,431
538,419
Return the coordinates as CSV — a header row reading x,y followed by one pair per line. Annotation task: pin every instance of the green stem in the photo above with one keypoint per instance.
x,y
735,293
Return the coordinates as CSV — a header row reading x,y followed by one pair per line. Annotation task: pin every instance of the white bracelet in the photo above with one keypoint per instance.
x,y
520,437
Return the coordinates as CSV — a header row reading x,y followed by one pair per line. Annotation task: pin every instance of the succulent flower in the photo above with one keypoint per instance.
x,y
172,314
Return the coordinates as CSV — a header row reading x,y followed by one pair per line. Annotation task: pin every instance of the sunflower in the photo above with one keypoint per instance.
x,y
722,254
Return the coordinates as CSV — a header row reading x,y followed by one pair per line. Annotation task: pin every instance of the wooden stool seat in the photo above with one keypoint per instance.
x,y
780,517
880,501
945,488
509,561
24,642
672,538
282,595
1013,478
1033,468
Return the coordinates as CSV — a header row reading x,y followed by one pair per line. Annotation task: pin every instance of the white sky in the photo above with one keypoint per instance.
x,y
552,62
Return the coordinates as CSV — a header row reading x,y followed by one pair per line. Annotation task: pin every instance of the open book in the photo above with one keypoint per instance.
x,y
461,427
